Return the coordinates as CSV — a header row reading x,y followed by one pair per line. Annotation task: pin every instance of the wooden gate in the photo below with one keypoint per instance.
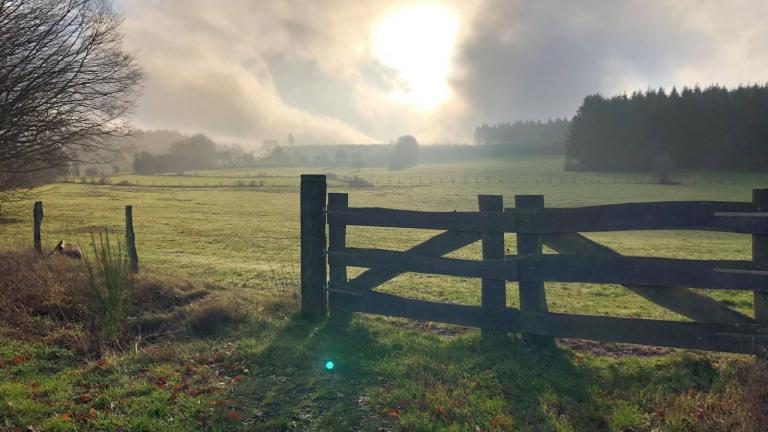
x,y
664,281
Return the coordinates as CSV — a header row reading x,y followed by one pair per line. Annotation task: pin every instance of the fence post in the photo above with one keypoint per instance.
x,y
313,264
130,239
760,258
494,295
532,295
337,239
37,217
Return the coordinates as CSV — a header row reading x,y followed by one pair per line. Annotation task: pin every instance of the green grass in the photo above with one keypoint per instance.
x,y
391,374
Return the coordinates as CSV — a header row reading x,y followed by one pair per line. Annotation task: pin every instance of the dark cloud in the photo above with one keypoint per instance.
x,y
539,59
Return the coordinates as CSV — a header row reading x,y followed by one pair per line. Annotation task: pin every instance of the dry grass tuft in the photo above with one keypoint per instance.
x,y
152,292
48,298
214,316
33,286
740,404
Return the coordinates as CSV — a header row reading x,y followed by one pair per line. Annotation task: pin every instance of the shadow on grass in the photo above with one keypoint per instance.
x,y
386,376
543,386
290,387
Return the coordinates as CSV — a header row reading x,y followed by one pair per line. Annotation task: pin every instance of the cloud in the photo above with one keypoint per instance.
x,y
539,59
242,70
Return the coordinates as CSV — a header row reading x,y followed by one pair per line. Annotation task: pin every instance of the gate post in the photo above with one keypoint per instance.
x,y
532,294
494,294
314,302
760,258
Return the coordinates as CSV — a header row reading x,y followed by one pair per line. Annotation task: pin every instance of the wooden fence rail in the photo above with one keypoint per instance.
x,y
664,281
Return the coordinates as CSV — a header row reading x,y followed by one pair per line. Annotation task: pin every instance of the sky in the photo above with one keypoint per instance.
x,y
367,71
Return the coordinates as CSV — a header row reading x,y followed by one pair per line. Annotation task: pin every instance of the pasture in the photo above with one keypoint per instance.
x,y
390,374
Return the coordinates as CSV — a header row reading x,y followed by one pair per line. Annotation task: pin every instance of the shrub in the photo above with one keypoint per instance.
x,y
110,283
103,180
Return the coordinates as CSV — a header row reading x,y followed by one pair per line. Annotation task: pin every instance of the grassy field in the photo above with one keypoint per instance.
x,y
391,374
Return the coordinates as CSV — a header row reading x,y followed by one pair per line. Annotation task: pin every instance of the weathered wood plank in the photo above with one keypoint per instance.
x,y
396,261
651,271
669,273
451,221
682,215
760,258
737,338
373,302
337,239
314,302
533,298
683,301
494,293
438,245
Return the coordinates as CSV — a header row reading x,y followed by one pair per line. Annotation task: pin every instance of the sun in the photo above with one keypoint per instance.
x,y
418,41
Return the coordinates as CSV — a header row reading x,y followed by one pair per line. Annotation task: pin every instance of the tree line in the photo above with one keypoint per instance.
x,y
694,129
525,137
197,152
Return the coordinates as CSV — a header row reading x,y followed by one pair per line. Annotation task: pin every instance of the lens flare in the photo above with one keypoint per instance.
x,y
329,365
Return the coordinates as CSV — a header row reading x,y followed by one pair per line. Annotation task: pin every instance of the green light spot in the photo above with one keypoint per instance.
x,y
329,365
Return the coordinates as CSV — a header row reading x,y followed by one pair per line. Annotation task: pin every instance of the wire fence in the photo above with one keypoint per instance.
x,y
198,182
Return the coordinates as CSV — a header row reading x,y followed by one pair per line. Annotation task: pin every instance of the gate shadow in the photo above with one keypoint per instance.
x,y
291,389
289,386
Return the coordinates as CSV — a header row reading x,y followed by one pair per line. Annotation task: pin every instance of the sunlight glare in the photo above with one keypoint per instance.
x,y
418,41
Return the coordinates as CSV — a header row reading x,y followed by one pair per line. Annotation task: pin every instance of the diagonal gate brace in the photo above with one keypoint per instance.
x,y
683,301
436,246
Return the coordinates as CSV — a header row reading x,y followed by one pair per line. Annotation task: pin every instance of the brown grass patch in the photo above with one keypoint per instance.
x,y
212,317
738,404
33,286
47,298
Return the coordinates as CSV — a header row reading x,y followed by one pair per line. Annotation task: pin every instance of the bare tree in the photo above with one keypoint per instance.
x,y
66,85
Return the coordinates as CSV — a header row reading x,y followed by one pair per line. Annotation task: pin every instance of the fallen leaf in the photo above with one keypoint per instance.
x,y
17,360
234,416
239,378
160,382
393,412
66,417
102,363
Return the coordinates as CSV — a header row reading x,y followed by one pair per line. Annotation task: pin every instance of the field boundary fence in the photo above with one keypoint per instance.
x,y
673,284
260,181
